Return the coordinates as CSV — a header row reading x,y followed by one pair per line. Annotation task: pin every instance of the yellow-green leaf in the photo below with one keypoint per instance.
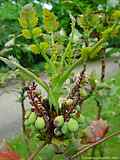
x,y
44,46
23,22
26,33
36,32
28,16
81,20
34,48
34,20
116,15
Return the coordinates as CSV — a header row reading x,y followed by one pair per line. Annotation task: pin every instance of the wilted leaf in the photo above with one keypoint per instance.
x,y
96,131
7,155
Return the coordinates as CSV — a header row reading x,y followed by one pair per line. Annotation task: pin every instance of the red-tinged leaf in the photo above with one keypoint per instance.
x,y
96,131
6,155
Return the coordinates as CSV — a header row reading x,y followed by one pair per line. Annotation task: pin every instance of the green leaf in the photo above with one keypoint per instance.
x,y
26,34
116,15
44,46
47,153
66,52
59,157
35,48
110,32
36,32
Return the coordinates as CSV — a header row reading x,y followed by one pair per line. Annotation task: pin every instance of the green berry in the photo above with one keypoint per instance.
x,y
27,123
40,123
57,132
59,121
65,128
27,114
32,118
73,125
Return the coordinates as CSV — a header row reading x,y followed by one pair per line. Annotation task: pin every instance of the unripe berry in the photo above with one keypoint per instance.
x,y
27,123
32,118
65,128
59,121
27,114
40,123
73,125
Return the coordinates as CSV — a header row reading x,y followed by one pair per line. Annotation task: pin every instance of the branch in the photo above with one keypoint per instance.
x,y
23,108
26,71
99,109
94,144
103,66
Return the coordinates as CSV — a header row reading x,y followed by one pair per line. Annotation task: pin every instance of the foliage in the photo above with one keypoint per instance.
x,y
62,10
57,118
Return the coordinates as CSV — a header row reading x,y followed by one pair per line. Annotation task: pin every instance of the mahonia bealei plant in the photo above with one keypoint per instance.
x,y
59,114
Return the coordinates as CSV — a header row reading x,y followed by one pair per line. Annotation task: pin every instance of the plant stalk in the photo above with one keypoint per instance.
x,y
103,66
23,109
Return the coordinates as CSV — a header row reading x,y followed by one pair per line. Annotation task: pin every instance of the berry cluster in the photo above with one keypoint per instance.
x,y
68,120
46,120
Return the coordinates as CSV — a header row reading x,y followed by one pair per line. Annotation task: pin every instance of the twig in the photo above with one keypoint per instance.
x,y
94,144
103,66
23,107
36,152
80,148
99,109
